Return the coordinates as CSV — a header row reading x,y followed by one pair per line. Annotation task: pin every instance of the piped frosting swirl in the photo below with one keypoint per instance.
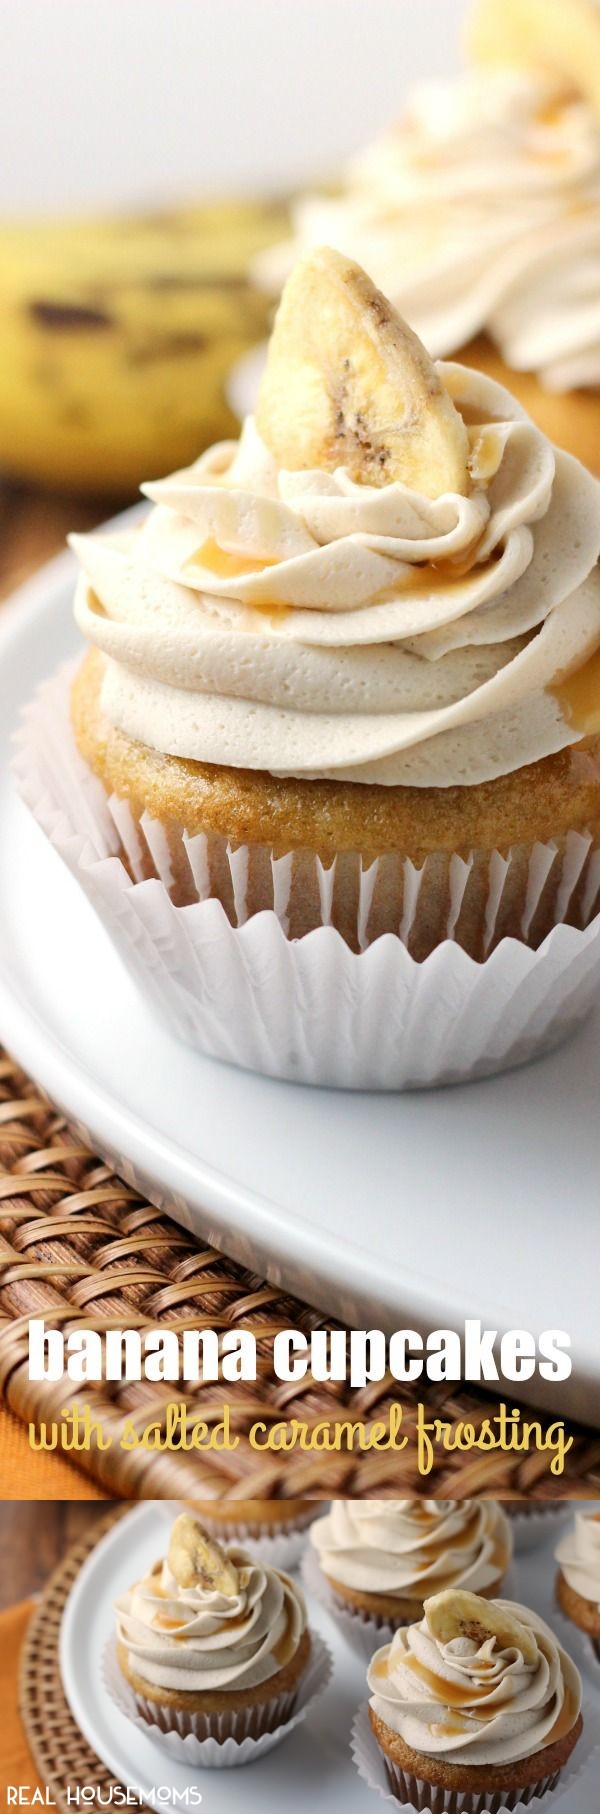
x,y
480,210
475,1702
305,625
199,1638
410,1548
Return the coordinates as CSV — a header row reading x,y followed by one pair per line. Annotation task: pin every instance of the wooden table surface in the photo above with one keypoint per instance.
x,y
34,1538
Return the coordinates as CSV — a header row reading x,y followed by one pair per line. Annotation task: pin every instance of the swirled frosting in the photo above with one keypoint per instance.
x,y
411,1548
305,625
579,1556
475,1703
481,210
195,1639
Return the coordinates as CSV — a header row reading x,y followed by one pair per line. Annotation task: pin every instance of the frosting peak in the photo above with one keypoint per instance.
x,y
475,1701
199,1637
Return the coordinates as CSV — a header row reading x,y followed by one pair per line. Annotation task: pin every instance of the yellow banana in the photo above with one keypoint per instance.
x,y
116,337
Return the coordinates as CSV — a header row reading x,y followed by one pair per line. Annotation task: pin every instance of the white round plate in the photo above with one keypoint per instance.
x,y
394,1211
310,1770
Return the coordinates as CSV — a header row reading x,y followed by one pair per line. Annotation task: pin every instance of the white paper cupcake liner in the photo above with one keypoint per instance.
x,y
311,1010
365,1631
235,1742
421,1798
534,1527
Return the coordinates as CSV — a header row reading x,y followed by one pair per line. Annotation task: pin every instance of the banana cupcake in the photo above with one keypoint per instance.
x,y
578,1579
479,213
345,679
474,1706
348,668
212,1642
379,1559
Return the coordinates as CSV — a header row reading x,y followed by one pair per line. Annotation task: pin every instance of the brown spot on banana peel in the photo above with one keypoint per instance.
x,y
168,346
64,317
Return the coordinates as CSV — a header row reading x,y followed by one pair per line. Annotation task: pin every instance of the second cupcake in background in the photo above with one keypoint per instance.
x,y
578,1579
274,1529
374,1562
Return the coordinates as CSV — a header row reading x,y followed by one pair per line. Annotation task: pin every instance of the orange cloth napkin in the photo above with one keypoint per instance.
x,y
33,1474
16,1767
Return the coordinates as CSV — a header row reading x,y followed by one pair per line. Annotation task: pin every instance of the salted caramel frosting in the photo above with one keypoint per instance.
x,y
305,624
411,1548
480,210
201,1638
473,1700
578,1554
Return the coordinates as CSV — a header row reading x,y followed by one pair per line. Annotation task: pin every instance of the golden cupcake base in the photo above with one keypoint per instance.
x,y
345,829
505,1780
582,1613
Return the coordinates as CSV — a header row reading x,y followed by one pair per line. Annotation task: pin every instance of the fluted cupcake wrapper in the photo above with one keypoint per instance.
x,y
220,1740
311,1009
532,1526
367,1631
364,1631
400,1788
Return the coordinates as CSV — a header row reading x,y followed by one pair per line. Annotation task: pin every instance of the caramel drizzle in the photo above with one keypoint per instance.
x,y
579,696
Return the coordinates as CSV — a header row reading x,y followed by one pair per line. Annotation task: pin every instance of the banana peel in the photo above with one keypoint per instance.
x,y
116,337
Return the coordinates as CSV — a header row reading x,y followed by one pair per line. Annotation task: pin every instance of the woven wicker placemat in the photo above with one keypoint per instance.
x,y
80,1246
60,1752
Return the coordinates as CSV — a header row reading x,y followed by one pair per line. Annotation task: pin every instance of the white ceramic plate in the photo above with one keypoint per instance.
x,y
312,1769
397,1211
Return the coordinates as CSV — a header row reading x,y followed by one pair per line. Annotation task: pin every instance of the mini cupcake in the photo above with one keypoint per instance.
x,y
476,1701
479,213
578,1579
212,1642
345,677
381,1558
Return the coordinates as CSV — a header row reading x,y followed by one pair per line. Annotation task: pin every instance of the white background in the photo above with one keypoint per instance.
x,y
124,101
